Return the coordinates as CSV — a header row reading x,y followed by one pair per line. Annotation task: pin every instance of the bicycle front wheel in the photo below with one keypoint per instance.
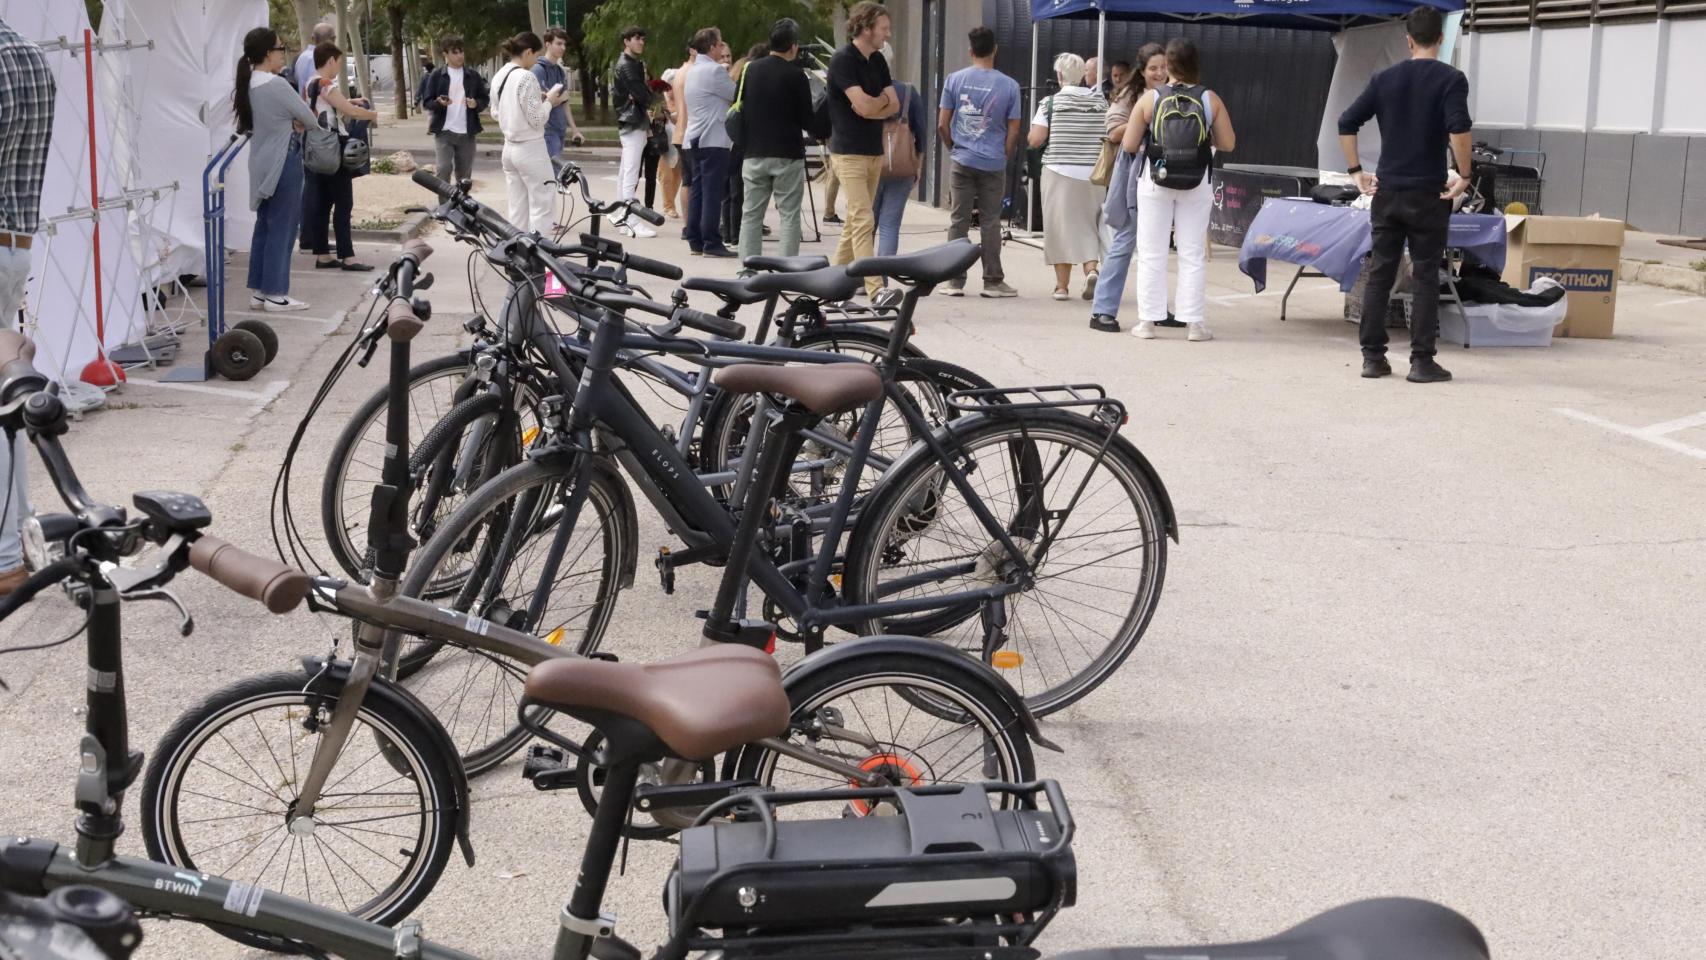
x,y
1091,527
220,797
497,546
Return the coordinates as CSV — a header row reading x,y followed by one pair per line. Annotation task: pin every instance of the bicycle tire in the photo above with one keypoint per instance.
x,y
934,690
460,535
334,498
897,502
390,732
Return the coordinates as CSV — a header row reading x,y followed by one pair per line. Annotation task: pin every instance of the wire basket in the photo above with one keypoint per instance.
x,y
1521,174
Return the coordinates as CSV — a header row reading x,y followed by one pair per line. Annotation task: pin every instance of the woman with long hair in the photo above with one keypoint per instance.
x,y
1150,72
272,113
332,195
1068,126
521,109
1183,212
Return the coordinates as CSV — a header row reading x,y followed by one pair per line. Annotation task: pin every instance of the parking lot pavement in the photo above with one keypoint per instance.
x,y
1434,640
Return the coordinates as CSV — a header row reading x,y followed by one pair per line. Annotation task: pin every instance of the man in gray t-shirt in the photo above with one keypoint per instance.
x,y
978,119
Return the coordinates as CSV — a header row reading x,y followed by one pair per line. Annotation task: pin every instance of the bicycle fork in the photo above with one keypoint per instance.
x,y
370,652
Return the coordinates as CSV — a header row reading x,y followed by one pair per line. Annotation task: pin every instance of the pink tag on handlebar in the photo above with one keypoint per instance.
x,y
553,286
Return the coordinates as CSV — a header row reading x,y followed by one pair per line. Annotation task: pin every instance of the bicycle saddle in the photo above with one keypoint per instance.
x,y
1391,928
823,388
733,291
934,265
828,284
786,264
699,704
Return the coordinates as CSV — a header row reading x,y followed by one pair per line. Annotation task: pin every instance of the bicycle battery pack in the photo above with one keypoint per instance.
x,y
896,859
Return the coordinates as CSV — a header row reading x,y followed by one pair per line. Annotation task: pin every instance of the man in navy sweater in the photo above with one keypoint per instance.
x,y
1421,106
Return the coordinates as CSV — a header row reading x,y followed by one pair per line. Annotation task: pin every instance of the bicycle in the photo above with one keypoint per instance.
x,y
909,504
410,769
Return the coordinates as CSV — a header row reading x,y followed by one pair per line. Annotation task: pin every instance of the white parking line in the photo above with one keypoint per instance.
x,y
274,316
1674,303
1657,434
268,394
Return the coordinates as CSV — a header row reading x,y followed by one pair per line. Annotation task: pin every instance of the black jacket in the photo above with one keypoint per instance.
x,y
438,85
629,93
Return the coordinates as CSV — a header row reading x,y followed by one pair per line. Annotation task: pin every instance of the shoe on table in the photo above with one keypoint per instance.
x,y
1104,323
1373,367
718,252
1144,330
1090,286
997,290
1061,293
12,579
1169,322
283,305
1199,332
1426,370
954,288
831,218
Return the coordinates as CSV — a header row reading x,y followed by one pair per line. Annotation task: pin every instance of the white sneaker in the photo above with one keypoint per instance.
x,y
257,302
1144,330
1198,331
641,230
283,305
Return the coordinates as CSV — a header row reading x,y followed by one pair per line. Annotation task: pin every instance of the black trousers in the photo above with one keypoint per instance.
x,y
333,198
649,171
1422,220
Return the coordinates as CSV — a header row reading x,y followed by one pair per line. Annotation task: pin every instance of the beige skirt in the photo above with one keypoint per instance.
x,y
1072,219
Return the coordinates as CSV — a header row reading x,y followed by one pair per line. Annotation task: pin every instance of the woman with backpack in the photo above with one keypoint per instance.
x,y
1179,126
521,109
332,195
1068,126
906,129
1151,72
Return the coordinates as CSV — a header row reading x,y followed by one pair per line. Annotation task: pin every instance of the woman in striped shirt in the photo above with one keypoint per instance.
x,y
1070,124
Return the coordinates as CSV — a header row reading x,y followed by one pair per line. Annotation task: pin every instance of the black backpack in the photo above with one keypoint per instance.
x,y
1180,150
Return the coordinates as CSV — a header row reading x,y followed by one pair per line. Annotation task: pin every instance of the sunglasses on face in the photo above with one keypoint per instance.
x,y
278,49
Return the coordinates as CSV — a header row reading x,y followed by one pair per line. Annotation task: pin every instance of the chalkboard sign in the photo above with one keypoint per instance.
x,y
1238,194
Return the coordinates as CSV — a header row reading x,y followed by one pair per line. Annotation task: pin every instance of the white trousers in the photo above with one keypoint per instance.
x,y
527,172
1185,213
633,151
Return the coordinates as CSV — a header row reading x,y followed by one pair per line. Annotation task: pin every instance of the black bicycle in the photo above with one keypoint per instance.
x,y
1028,535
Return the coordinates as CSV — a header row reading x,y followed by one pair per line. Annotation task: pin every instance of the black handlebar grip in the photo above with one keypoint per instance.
x,y
711,323
649,215
40,580
656,268
431,182
278,586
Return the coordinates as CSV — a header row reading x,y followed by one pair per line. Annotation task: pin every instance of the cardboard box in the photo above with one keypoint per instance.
x,y
1582,253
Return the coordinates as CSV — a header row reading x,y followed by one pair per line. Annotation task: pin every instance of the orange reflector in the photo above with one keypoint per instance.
x,y
1008,659
770,644
528,435
555,637
835,578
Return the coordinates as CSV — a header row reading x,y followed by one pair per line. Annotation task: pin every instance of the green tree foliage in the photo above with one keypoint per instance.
x,y
669,24
482,24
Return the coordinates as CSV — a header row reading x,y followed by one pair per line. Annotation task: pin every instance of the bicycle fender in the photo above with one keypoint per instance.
x,y
961,425
835,654
330,678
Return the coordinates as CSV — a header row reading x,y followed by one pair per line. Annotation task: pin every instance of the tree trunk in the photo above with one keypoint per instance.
x,y
399,71
307,15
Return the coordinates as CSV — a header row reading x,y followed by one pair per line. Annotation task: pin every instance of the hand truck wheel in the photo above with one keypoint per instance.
x,y
266,334
238,354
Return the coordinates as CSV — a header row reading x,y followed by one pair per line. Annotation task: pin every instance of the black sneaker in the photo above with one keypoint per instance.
x,y
719,252
1426,370
1169,322
831,218
1104,323
1373,367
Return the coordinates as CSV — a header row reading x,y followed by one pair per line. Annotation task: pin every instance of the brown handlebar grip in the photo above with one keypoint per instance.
x,y
277,586
15,346
419,249
402,323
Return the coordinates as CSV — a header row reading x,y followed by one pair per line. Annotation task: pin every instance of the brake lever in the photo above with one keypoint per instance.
x,y
186,623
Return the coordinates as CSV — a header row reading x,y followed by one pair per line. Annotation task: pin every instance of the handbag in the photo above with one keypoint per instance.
x,y
734,121
1034,155
322,146
1103,171
900,150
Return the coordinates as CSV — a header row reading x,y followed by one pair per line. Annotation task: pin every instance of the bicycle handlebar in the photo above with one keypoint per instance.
x,y
570,175
278,586
485,217
684,315
591,246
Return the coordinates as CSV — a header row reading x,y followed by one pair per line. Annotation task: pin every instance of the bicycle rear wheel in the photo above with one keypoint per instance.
x,y
495,546
1096,586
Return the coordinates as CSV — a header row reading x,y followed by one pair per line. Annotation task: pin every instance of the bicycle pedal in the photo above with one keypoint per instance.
x,y
545,766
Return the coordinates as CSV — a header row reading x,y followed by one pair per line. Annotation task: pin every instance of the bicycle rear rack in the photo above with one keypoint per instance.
x,y
996,401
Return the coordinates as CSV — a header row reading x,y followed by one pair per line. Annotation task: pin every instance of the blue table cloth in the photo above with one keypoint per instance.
x,y
1332,240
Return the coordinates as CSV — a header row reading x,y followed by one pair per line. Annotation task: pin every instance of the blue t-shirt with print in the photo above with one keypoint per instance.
x,y
983,101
